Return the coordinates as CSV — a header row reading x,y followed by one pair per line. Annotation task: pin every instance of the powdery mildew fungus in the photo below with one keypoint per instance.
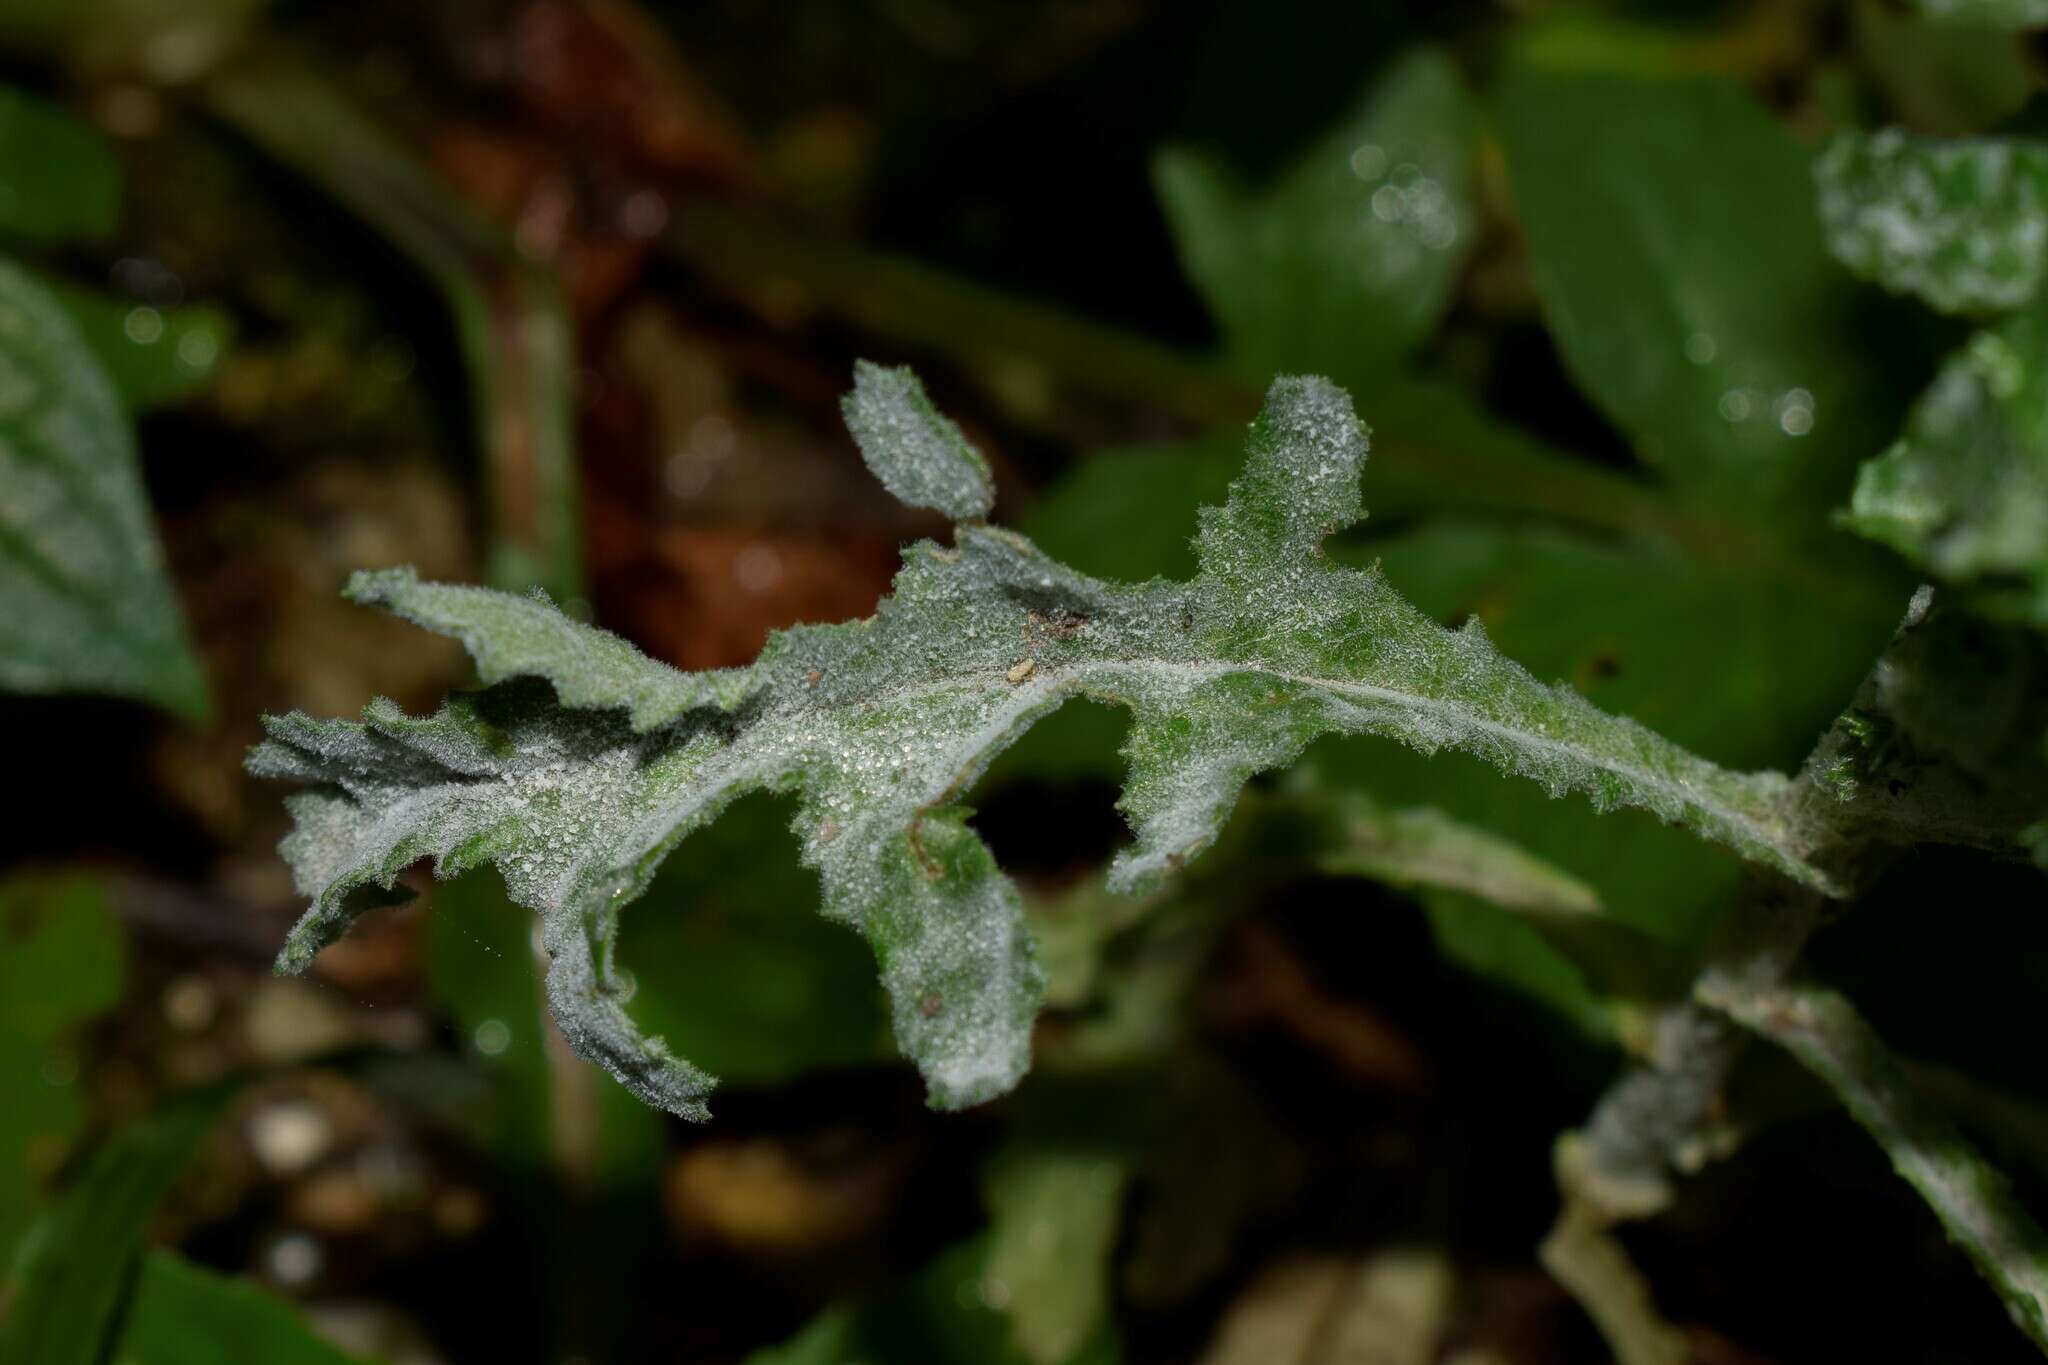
x,y
576,791
1963,224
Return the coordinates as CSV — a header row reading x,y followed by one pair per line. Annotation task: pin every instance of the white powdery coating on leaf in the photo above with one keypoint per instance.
x,y
879,727
916,451
1962,224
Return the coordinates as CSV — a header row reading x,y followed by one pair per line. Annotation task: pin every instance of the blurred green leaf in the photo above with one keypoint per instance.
x,y
155,356
1130,514
738,969
1053,1220
1962,224
480,968
182,1314
81,571
58,178
62,963
1418,846
1699,309
1344,264
1942,77
1964,491
76,1264
942,1315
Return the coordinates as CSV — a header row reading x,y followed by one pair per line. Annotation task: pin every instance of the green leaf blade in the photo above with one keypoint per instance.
x,y
1346,262
58,177
76,1264
88,605
183,1314
1701,312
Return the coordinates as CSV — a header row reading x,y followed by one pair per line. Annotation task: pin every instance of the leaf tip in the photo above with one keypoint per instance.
x,y
380,587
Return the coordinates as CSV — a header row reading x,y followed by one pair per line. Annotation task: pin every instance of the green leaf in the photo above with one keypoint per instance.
x,y
479,965
945,1314
63,965
1962,224
878,726
1963,492
1973,1201
736,969
2002,13
1941,78
1346,262
1700,310
154,356
914,449
1421,846
88,605
1053,1219
58,178
75,1266
185,1315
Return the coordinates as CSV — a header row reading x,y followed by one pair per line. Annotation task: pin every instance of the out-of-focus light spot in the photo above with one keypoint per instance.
x,y
1735,405
294,1259
1368,161
712,437
290,1135
643,214
492,1037
190,1003
143,325
1701,348
757,568
60,1071
685,475
1795,412
197,349
1386,204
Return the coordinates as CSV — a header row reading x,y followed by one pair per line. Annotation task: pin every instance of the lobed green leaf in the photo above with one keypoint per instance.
x,y
879,726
